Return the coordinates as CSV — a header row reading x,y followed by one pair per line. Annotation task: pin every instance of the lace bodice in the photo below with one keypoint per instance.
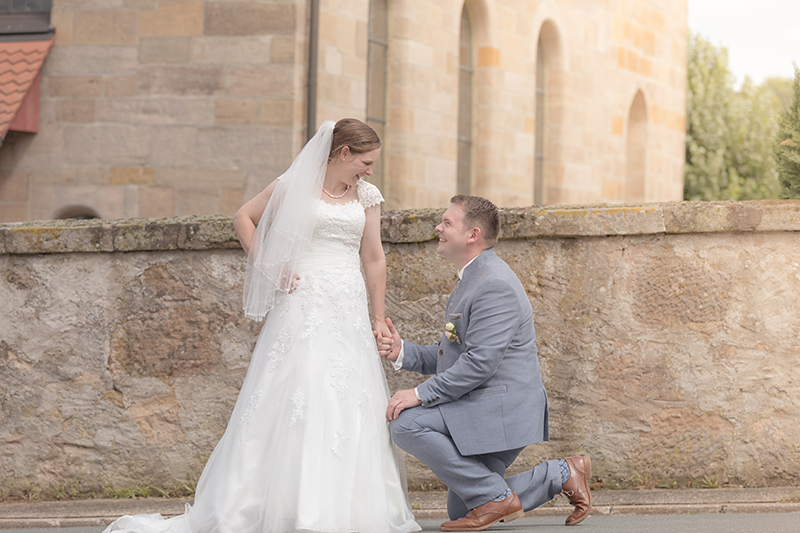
x,y
344,223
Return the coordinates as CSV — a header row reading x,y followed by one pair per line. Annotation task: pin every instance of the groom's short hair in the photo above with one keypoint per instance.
x,y
480,212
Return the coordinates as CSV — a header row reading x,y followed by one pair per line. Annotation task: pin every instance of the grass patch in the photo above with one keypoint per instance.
x,y
73,490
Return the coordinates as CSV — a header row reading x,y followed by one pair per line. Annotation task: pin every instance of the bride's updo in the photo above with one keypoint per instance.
x,y
354,134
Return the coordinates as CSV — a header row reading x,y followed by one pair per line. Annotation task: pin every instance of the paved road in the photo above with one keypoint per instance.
x,y
699,523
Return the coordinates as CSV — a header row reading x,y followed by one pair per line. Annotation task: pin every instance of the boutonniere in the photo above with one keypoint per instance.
x,y
451,333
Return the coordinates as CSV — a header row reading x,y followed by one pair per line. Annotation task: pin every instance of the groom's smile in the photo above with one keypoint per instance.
x,y
452,237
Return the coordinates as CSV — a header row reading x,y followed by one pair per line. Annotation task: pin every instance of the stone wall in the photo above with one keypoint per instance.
x,y
160,108
598,56
668,337
157,108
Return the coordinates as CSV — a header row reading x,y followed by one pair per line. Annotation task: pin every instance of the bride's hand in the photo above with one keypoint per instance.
x,y
389,347
289,282
383,337
381,329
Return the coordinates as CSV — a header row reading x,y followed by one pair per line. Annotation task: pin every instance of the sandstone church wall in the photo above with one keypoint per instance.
x,y
189,107
668,338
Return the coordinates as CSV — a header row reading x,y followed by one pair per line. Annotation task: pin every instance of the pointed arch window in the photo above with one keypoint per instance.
x,y
465,71
377,67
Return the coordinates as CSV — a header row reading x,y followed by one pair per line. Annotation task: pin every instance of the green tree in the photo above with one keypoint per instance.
x,y
787,144
729,133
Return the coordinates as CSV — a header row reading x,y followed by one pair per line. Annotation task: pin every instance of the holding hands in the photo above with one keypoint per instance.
x,y
388,339
389,344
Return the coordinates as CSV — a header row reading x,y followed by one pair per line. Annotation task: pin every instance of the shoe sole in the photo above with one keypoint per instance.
x,y
587,475
507,518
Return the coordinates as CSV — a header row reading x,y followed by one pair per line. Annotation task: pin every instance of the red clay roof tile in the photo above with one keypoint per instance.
x,y
20,63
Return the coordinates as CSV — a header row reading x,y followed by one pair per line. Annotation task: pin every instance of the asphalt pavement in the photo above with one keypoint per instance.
x,y
728,510
698,523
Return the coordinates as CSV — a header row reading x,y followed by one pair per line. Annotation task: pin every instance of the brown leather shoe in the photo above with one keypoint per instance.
x,y
577,488
487,514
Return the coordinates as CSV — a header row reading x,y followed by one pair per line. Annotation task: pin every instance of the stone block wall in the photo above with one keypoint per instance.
x,y
668,337
160,108
598,55
153,108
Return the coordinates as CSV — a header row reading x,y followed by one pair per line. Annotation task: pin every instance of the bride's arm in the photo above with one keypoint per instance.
x,y
246,218
374,262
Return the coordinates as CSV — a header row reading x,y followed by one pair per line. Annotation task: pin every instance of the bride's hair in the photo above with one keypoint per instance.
x,y
354,134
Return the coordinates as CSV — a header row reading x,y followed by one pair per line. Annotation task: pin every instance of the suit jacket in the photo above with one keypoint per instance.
x,y
488,386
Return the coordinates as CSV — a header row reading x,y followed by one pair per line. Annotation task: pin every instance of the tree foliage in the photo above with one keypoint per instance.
x,y
787,144
729,138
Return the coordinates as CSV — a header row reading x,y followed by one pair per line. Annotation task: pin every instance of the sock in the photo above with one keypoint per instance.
x,y
562,464
503,496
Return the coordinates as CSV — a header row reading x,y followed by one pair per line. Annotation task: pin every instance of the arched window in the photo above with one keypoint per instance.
x,y
464,174
541,87
549,109
636,150
76,212
377,66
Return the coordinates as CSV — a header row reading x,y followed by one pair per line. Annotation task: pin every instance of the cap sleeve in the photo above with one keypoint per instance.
x,y
368,194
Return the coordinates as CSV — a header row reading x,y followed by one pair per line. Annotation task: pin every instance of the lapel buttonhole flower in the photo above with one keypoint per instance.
x,y
451,333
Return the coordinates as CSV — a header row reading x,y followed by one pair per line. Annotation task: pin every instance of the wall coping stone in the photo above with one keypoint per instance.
x,y
204,232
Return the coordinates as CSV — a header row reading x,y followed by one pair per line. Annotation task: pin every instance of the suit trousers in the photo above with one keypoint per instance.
x,y
472,480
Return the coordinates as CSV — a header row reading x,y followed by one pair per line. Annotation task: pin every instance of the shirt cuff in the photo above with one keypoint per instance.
x,y
416,393
398,363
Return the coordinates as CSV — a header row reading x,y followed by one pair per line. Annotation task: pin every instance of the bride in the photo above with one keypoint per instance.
x,y
307,447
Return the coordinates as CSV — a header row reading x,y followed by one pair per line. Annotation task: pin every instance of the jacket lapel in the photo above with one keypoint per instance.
x,y
471,272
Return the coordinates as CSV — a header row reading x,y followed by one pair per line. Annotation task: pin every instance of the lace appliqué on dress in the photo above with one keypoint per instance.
x,y
363,401
340,439
279,349
342,223
368,194
339,376
313,321
255,399
298,407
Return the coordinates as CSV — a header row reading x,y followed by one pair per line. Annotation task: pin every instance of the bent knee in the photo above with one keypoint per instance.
x,y
405,425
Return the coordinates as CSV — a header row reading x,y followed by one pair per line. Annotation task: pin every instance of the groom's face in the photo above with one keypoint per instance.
x,y
452,236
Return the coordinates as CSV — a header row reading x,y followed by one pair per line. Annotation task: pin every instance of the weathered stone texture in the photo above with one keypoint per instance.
x,y
156,202
132,176
205,201
165,50
173,18
110,28
249,18
243,65
84,86
160,111
14,186
75,111
91,61
245,50
174,146
669,354
268,80
236,111
120,86
174,80
107,144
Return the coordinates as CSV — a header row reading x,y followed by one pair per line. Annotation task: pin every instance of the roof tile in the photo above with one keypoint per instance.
x,y
20,63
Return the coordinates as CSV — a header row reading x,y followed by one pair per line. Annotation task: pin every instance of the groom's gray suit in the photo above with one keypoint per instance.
x,y
486,401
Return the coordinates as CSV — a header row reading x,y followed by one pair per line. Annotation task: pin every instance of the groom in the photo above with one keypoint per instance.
x,y
486,402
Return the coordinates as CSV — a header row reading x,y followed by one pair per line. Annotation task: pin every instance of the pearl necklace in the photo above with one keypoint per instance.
x,y
332,196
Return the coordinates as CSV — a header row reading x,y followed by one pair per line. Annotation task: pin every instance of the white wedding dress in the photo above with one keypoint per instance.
x,y
307,447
